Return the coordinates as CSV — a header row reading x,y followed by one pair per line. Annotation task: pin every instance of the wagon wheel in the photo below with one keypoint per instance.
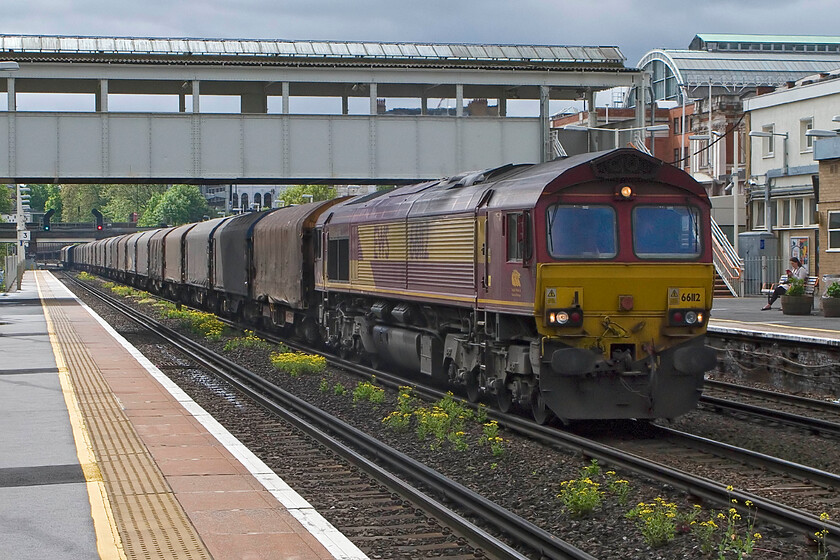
x,y
504,397
542,414
472,385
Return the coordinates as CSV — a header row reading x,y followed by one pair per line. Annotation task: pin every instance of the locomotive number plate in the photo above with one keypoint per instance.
x,y
686,297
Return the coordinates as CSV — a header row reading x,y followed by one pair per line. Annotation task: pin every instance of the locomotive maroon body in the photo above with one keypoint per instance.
x,y
579,287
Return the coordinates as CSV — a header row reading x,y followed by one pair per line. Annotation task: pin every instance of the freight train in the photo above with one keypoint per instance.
x,y
578,288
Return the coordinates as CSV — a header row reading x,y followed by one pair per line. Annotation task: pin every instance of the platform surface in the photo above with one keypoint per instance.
x,y
744,315
105,457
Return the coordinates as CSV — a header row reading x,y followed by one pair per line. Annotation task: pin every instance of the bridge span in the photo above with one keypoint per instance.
x,y
266,141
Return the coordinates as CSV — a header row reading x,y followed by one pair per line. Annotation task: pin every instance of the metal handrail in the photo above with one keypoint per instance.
x,y
727,262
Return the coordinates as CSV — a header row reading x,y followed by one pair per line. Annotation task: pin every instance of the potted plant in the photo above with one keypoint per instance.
x,y
831,300
795,302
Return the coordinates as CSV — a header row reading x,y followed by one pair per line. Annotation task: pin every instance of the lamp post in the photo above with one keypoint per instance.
x,y
767,134
652,129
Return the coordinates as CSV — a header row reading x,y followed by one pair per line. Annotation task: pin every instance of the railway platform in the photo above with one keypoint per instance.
x,y
744,316
104,457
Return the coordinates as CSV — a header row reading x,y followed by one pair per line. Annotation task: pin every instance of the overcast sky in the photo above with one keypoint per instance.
x,y
635,26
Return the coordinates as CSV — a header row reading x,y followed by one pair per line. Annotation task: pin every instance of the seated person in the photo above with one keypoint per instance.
x,y
796,271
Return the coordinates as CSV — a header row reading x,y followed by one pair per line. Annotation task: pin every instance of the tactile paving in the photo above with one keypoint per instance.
x,y
151,522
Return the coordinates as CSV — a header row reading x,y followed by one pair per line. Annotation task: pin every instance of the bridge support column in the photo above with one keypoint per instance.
x,y
196,94
459,100
284,91
591,109
503,106
10,91
424,104
182,102
545,122
373,94
345,104
102,97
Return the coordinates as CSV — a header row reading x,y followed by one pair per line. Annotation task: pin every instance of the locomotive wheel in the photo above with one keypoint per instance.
x,y
504,398
472,386
542,414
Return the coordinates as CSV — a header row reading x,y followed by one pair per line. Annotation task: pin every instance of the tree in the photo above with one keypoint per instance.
x,y
6,206
78,200
294,195
124,200
180,204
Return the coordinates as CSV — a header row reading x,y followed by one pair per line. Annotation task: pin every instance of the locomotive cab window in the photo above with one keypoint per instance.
x,y
577,231
666,232
338,259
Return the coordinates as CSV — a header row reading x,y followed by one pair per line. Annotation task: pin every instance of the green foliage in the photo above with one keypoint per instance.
x,y
580,496
657,521
367,391
833,290
297,363
85,276
294,195
78,200
180,204
124,200
198,322
6,205
250,340
41,196
339,389
797,287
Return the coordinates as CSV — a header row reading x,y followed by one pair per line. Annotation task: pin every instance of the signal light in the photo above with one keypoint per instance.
x,y
565,317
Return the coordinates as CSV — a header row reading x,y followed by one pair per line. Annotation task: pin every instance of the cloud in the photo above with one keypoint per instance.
x,y
635,26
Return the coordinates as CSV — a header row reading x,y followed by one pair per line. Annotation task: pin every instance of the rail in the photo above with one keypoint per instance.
x,y
727,262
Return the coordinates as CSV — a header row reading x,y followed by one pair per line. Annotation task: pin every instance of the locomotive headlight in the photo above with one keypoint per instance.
x,y
561,318
690,317
626,191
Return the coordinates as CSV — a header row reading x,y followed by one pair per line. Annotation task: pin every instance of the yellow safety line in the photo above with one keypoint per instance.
x,y
108,541
776,325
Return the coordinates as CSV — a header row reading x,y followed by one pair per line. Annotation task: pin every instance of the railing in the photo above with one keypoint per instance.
x,y
727,262
759,271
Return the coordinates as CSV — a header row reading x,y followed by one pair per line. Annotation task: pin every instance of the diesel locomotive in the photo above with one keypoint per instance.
x,y
579,288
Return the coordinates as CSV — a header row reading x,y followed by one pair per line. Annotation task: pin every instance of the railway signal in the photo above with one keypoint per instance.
x,y
100,225
46,223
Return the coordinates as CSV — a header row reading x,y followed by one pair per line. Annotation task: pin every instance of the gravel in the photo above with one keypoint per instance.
x,y
528,477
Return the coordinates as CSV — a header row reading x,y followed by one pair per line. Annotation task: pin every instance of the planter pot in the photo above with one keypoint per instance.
x,y
797,305
831,307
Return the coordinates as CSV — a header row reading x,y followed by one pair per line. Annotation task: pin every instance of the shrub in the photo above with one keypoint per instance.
x,y
198,322
85,276
250,340
367,391
297,363
657,521
797,287
833,290
580,496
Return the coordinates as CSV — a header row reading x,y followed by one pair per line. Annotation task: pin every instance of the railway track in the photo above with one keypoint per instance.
x,y
710,455
822,417
314,427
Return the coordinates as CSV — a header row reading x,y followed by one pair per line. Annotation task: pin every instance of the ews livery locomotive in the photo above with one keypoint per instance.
x,y
579,288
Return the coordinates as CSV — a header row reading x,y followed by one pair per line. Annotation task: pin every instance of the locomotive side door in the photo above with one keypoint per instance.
x,y
482,252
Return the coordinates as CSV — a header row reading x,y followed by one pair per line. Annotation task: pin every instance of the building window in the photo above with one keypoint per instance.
x,y
244,202
768,144
758,214
806,143
834,231
267,200
799,212
257,201
677,157
784,219
676,125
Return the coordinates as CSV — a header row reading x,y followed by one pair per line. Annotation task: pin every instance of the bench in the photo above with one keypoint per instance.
x,y
811,285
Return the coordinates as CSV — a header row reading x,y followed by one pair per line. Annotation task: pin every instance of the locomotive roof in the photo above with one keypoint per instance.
x,y
512,186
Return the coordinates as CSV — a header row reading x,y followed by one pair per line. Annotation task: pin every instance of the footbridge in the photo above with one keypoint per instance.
x,y
271,139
